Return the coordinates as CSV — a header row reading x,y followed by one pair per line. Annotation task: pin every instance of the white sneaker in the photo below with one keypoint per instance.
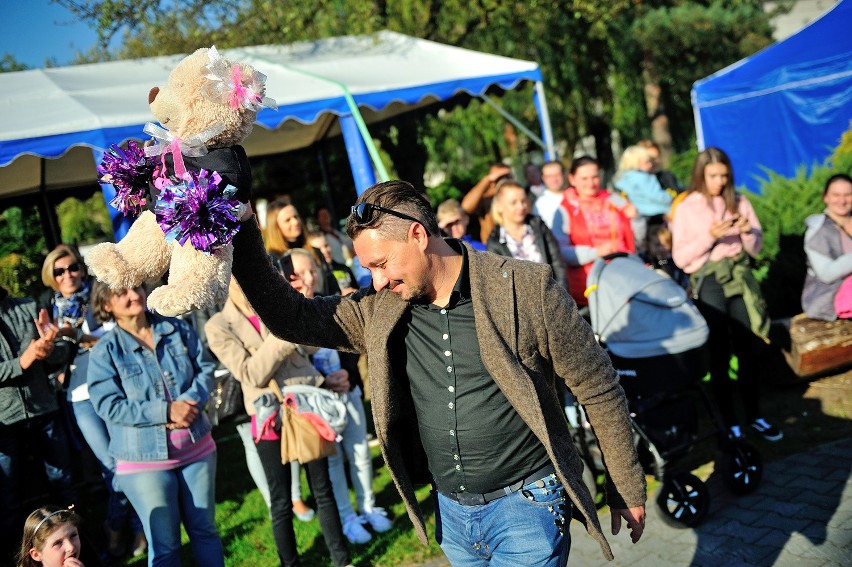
x,y
354,530
378,520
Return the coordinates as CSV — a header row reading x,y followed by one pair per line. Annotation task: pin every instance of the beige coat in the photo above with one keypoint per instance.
x,y
530,335
255,359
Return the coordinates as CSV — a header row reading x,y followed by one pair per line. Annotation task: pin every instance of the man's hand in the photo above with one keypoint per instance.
x,y
182,413
498,172
246,212
635,521
337,381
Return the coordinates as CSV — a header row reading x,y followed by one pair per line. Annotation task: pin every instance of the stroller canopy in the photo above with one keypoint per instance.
x,y
638,312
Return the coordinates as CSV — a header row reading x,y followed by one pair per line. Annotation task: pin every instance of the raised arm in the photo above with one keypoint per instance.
x,y
334,322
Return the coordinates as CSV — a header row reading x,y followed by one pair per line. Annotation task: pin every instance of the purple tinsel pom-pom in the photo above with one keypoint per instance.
x,y
200,211
129,171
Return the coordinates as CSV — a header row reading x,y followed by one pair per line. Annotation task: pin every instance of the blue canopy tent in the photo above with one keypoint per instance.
x,y
784,106
323,88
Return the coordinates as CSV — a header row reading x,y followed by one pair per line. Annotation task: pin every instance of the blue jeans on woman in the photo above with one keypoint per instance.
x,y
95,432
163,499
521,528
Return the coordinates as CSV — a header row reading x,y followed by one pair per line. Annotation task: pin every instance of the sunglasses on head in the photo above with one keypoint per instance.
x,y
73,268
365,214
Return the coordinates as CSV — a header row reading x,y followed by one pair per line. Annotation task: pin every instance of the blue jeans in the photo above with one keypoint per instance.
x,y
95,432
164,499
356,448
517,529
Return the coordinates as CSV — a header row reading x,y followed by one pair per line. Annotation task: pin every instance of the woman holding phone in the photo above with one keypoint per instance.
x,y
715,235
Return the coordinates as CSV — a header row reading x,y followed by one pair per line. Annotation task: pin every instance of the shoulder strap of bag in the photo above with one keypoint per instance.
x,y
276,389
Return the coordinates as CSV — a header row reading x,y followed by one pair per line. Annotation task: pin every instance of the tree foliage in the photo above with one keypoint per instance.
x,y
782,207
689,41
83,222
595,55
22,246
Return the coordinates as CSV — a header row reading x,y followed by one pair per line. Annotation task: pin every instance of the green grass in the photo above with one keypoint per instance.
x,y
810,414
243,520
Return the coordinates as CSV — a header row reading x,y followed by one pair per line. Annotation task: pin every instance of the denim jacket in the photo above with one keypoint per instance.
x,y
127,384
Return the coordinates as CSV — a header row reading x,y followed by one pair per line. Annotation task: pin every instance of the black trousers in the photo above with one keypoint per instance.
x,y
730,331
278,477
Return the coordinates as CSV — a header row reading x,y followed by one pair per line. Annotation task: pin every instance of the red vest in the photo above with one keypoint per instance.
x,y
593,222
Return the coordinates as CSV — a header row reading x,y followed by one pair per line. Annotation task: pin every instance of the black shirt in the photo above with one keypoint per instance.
x,y
474,439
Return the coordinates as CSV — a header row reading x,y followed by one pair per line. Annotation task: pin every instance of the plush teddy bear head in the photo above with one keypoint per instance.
x,y
205,93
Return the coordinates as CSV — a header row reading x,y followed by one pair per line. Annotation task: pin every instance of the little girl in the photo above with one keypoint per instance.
x,y
51,539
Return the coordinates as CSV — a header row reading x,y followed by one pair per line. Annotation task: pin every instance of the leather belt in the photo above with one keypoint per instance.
x,y
474,499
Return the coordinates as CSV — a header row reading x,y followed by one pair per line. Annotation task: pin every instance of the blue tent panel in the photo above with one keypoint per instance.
x,y
785,106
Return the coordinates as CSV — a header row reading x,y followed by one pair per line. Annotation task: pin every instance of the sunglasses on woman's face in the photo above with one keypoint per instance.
x,y
366,214
73,268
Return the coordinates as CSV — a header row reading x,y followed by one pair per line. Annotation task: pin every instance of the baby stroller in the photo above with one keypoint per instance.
x,y
655,337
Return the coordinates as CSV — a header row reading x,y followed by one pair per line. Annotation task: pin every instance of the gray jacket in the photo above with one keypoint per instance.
x,y
828,266
530,335
24,394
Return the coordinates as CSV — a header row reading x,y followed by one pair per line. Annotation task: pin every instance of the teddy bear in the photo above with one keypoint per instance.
x,y
197,177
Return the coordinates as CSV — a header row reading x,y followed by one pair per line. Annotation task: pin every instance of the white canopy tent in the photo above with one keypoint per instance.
x,y
323,87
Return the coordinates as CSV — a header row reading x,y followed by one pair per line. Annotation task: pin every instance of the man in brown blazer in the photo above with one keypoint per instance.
x,y
465,349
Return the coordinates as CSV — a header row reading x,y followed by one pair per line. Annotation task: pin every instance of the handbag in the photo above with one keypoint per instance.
x,y
300,432
226,397
330,406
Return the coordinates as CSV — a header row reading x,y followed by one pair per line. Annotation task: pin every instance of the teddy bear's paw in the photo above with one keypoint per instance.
x,y
107,264
173,300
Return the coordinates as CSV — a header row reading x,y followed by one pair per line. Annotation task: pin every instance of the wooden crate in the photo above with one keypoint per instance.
x,y
818,346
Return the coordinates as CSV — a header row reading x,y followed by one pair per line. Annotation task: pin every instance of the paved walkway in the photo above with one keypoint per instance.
x,y
800,516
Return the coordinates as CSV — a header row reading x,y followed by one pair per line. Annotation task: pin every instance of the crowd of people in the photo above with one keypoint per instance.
x,y
462,349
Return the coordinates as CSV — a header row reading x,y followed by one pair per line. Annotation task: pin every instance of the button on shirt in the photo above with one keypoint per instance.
x,y
474,439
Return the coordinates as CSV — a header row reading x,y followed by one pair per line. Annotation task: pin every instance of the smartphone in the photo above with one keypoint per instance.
x,y
284,265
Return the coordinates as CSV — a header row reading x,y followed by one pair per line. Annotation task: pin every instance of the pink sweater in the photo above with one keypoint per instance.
x,y
691,238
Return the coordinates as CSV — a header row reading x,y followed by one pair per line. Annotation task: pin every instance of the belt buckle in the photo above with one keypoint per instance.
x,y
469,499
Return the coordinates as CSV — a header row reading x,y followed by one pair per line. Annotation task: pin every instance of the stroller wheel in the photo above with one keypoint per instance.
x,y
684,500
741,467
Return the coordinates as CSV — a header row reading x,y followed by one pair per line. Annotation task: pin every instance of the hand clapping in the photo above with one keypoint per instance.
x,y
40,348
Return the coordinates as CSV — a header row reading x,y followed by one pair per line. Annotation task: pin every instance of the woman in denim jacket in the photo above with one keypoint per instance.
x,y
149,379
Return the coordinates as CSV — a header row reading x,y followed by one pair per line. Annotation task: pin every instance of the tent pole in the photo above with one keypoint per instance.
x,y
515,122
544,120
359,162
120,223
48,214
326,184
356,115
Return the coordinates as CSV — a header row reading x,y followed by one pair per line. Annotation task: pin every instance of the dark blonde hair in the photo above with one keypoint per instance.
x,y
38,527
98,298
100,295
705,158
61,251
